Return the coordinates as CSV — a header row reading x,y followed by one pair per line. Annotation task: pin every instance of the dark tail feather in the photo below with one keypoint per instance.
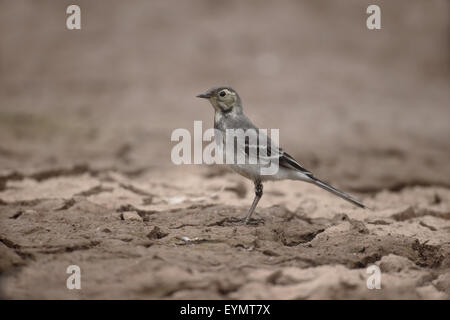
x,y
337,192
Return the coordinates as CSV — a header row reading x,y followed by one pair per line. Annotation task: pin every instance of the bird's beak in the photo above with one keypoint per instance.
x,y
203,95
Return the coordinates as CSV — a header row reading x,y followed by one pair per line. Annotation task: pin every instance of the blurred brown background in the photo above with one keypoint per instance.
x,y
368,109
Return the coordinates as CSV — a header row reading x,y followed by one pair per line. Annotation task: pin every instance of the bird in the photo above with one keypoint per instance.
x,y
229,115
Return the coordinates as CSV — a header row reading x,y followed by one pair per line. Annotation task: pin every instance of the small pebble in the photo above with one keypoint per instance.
x,y
131,216
156,233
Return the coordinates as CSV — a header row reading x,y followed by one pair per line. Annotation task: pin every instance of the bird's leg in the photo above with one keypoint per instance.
x,y
258,195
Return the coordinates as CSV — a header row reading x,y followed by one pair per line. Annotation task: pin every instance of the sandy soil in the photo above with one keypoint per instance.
x,y
85,171
130,238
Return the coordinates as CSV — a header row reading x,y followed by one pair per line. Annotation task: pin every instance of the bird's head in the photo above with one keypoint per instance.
x,y
223,99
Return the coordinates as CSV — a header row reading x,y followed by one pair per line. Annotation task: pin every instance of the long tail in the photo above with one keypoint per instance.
x,y
337,192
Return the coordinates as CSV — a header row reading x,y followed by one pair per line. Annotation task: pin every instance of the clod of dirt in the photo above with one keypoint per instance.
x,y
270,253
131,216
423,224
394,263
147,201
290,236
359,226
16,215
156,233
429,256
142,213
66,205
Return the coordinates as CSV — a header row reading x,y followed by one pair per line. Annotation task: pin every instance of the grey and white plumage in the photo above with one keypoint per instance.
x,y
229,115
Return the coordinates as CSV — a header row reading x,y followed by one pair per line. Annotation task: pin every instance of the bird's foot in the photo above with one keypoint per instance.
x,y
236,221
252,221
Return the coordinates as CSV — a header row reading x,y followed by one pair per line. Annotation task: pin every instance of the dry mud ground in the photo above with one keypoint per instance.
x,y
85,171
130,237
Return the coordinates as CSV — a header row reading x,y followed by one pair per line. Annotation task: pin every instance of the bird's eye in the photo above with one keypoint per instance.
x,y
222,94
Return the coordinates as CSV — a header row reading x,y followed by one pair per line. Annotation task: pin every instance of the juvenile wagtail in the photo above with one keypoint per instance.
x,y
229,115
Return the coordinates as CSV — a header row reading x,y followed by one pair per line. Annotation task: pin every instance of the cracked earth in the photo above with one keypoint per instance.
x,y
153,236
86,177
